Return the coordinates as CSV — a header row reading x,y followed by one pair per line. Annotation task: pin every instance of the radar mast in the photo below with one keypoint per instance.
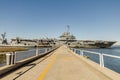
x,y
68,28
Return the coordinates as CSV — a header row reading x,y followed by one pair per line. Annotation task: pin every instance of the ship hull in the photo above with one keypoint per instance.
x,y
92,44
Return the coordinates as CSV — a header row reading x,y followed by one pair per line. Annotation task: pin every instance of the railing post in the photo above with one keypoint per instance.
x,y
8,58
101,60
73,49
37,51
13,58
46,49
81,52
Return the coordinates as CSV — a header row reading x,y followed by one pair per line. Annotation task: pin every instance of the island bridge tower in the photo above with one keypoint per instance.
x,y
67,37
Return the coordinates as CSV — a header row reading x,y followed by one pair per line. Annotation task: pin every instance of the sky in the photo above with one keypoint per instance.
x,y
88,19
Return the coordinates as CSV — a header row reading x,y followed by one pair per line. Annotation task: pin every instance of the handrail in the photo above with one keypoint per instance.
x,y
11,56
101,55
91,52
17,51
113,56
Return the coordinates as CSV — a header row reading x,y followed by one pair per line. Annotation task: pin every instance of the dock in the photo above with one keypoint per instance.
x,y
62,64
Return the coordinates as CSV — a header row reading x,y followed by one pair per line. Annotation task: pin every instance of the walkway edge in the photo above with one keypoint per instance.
x,y
7,69
107,72
45,71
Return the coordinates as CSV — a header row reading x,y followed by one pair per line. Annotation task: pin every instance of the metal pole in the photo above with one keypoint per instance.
x,y
12,58
73,49
81,52
46,50
8,58
102,60
37,51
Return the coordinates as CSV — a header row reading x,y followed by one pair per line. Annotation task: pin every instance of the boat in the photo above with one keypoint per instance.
x,y
92,44
70,40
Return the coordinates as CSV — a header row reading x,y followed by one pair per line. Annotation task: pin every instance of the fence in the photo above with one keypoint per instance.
x,y
101,56
10,58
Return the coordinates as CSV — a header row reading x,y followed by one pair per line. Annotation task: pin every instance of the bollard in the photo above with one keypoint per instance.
x,y
8,58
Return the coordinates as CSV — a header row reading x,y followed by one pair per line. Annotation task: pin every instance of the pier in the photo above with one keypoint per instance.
x,y
62,64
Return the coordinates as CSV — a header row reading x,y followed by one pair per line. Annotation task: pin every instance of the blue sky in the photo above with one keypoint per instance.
x,y
88,19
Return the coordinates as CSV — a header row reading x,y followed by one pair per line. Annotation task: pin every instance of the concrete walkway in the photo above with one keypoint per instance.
x,y
69,67
61,65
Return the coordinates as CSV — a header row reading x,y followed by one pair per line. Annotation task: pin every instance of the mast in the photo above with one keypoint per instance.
x,y
68,28
68,33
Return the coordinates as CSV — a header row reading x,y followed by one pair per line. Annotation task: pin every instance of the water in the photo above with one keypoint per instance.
x,y
27,54
111,63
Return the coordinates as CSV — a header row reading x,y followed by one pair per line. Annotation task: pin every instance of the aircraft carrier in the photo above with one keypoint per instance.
x,y
70,40
65,38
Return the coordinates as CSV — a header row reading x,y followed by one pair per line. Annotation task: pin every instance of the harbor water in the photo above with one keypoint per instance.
x,y
111,63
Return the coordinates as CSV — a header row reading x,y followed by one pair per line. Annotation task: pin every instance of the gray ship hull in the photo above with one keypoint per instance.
x,y
92,44
69,39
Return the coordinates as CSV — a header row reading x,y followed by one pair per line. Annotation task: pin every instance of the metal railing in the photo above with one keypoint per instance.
x,y
15,57
101,55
